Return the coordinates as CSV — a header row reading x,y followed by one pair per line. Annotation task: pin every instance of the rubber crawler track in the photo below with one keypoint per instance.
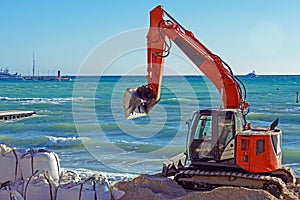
x,y
196,179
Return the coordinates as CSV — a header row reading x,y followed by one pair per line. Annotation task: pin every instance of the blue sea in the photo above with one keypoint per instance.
x,y
83,122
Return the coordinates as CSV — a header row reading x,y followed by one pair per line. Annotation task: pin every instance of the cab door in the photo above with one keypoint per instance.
x,y
243,152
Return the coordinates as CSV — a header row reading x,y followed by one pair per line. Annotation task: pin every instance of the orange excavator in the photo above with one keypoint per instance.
x,y
222,148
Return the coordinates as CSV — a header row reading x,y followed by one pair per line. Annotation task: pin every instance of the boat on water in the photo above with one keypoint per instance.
x,y
251,74
6,76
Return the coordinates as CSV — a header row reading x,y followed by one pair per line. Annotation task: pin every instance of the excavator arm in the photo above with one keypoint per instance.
x,y
164,29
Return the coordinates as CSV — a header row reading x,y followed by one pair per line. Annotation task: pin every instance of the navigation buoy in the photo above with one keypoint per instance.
x,y
297,97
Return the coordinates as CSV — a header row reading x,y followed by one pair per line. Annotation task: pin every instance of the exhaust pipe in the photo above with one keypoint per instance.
x,y
138,102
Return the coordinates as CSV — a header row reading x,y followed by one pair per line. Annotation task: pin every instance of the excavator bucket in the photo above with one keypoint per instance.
x,y
138,102
174,165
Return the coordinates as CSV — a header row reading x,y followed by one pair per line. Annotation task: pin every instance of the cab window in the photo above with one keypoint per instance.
x,y
204,128
260,146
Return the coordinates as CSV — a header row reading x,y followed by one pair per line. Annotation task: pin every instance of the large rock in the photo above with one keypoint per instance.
x,y
232,193
147,187
156,188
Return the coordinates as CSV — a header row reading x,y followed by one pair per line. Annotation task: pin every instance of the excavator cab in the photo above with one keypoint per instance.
x,y
212,135
219,138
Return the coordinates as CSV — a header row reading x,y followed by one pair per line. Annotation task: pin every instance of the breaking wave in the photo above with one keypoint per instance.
x,y
65,141
30,100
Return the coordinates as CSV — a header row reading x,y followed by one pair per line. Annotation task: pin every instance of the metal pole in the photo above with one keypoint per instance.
x,y
33,65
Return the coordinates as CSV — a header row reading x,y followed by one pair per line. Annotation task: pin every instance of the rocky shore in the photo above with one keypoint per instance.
x,y
159,188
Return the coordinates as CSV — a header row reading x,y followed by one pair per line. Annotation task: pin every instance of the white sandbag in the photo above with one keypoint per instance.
x,y
18,186
10,194
72,188
91,188
68,177
102,187
77,191
9,164
7,193
41,160
40,186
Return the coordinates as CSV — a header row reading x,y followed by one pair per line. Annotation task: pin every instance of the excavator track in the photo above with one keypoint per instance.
x,y
287,174
197,179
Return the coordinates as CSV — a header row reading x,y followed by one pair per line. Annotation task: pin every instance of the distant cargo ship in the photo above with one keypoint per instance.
x,y
6,76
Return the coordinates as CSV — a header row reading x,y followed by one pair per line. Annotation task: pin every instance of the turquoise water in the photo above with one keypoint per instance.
x,y
82,120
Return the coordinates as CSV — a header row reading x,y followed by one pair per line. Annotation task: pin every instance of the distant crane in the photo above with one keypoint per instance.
x,y
33,65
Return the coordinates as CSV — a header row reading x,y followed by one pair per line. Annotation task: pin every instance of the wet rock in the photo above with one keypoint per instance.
x,y
294,191
148,187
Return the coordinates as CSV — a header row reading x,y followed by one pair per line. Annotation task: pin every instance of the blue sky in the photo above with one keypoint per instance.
x,y
257,34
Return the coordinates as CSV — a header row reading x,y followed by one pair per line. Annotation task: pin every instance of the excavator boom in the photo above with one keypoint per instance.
x,y
164,29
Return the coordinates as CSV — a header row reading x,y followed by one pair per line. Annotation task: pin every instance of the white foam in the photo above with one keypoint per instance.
x,y
30,100
111,176
63,141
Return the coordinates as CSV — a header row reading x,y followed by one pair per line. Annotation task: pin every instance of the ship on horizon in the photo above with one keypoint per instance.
x,y
6,76
251,74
